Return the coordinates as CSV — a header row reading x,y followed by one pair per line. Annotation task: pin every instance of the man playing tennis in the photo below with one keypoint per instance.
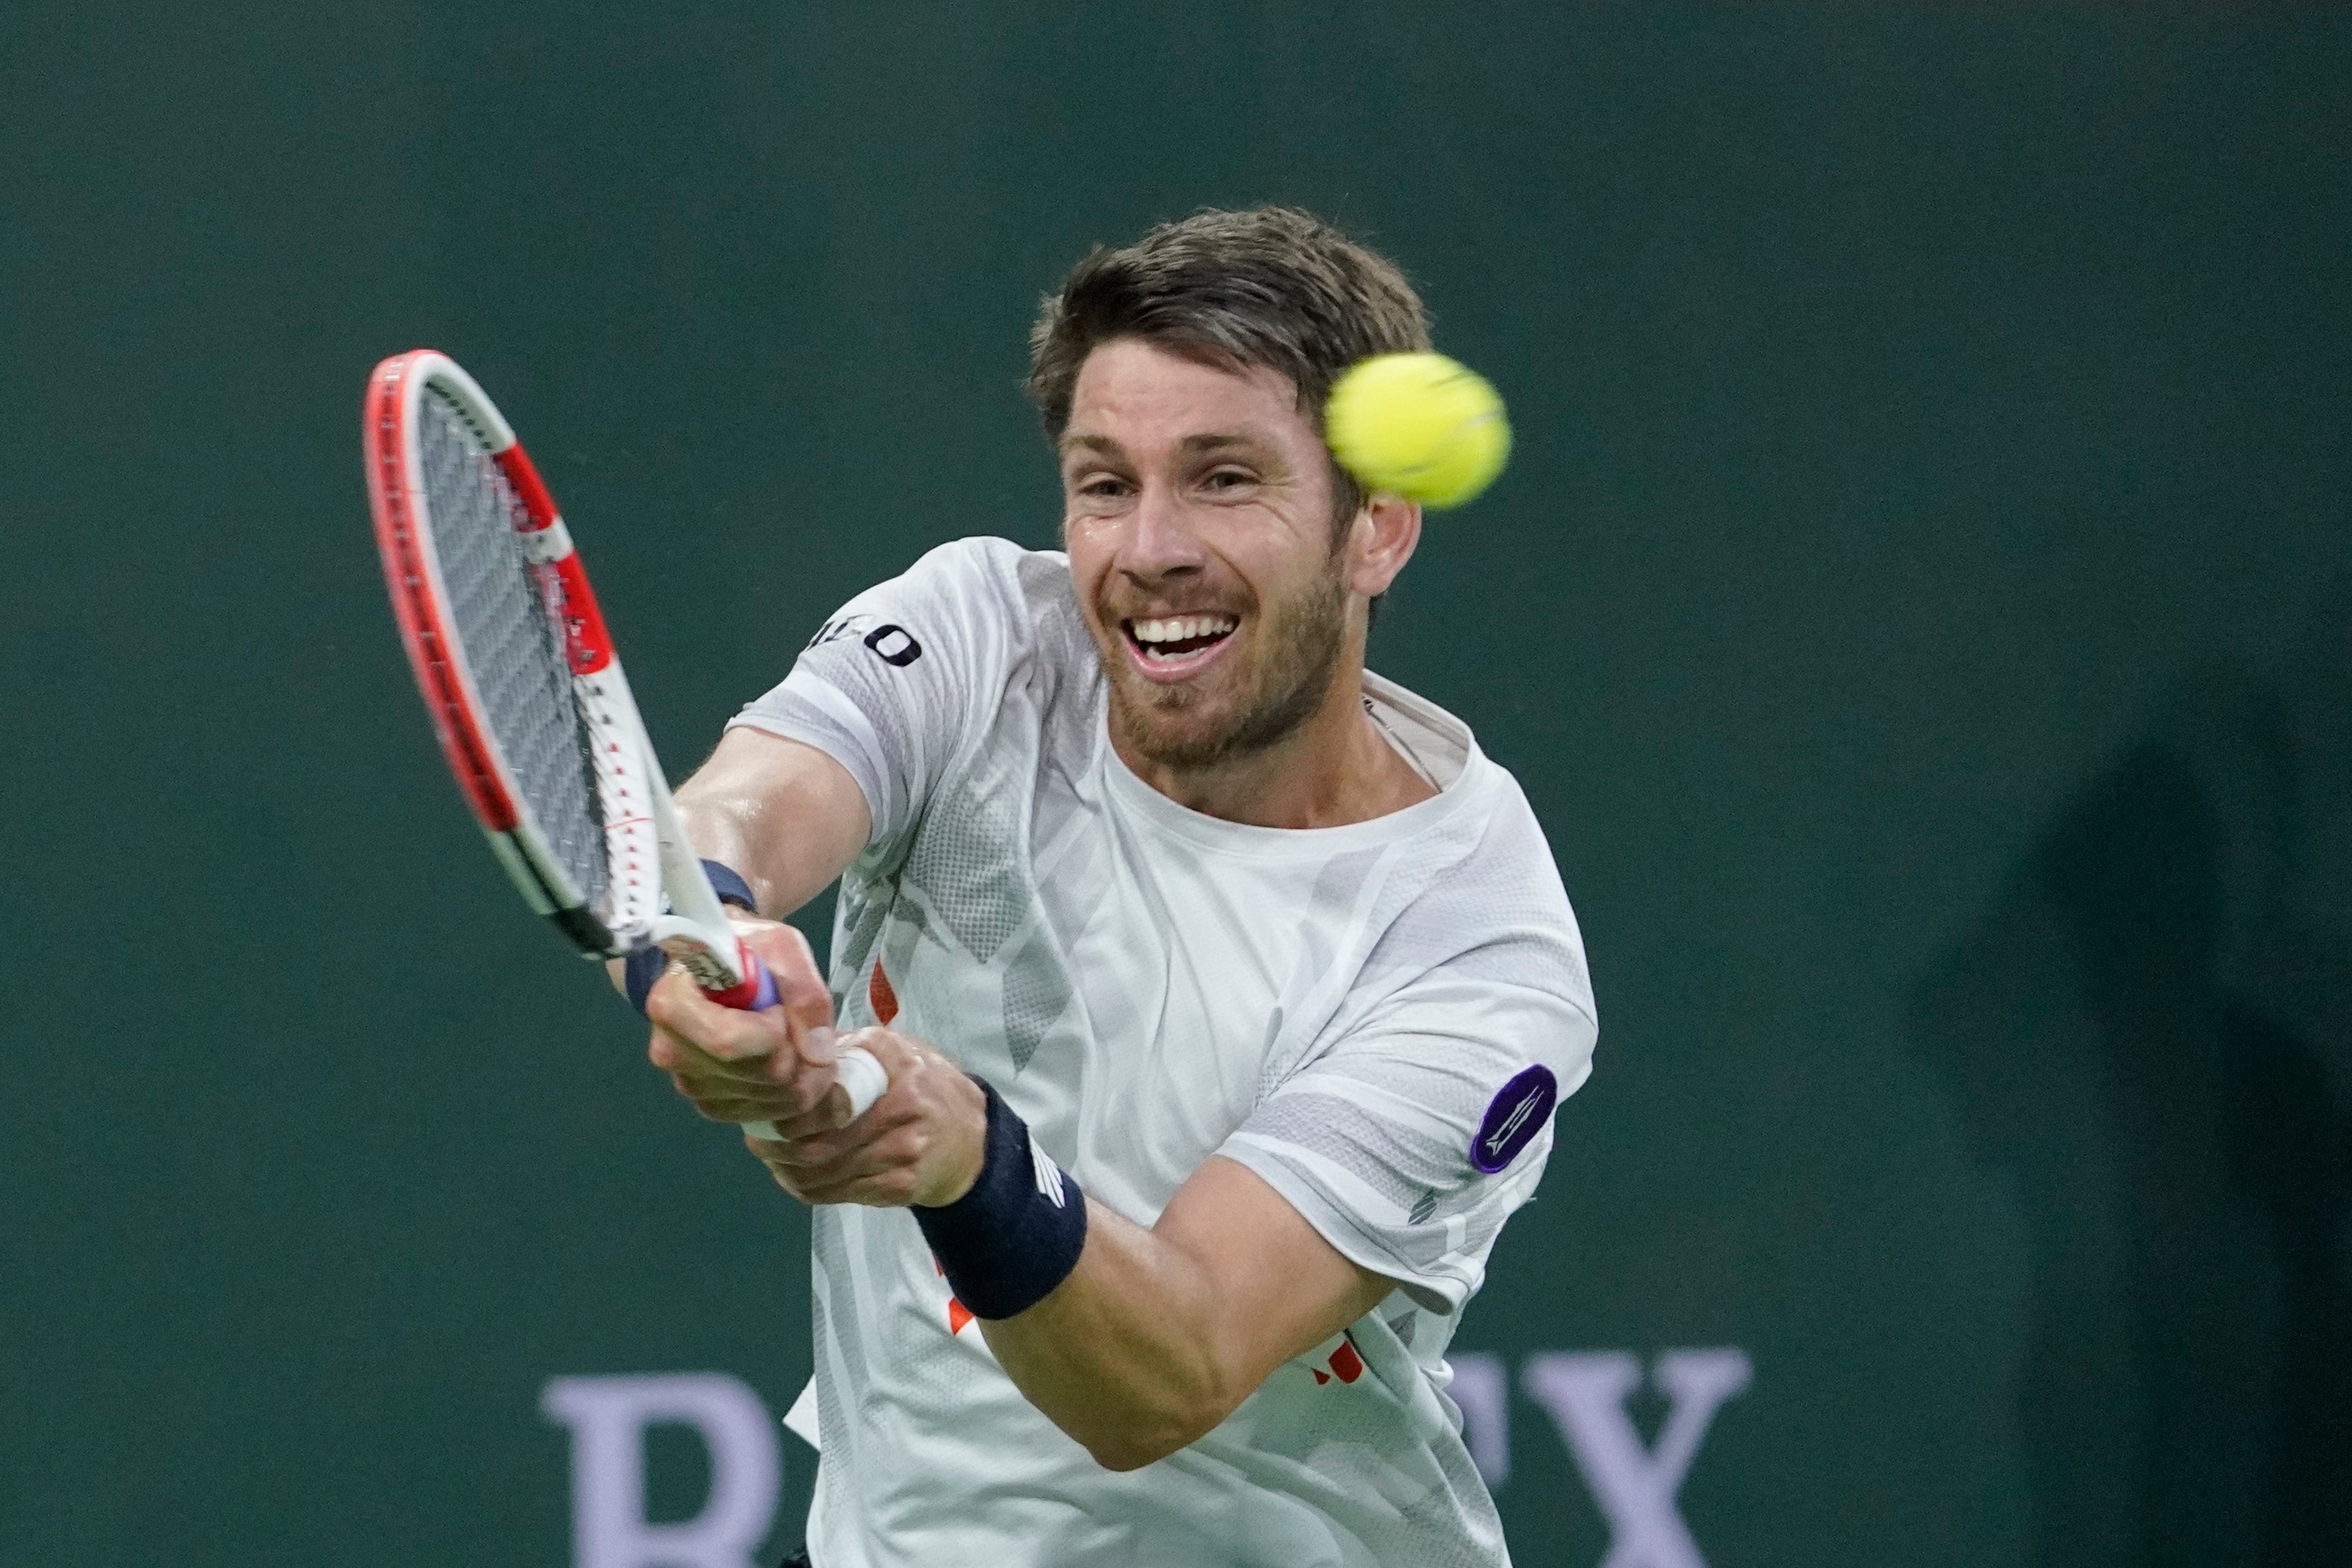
x,y
1225,988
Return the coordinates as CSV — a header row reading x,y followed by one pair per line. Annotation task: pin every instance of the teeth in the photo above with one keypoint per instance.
x,y
1177,628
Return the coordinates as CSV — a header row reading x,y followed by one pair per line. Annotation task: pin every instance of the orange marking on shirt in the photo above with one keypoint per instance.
x,y
880,996
1346,1364
958,1315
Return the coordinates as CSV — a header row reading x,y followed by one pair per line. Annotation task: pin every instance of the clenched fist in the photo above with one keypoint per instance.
x,y
921,1143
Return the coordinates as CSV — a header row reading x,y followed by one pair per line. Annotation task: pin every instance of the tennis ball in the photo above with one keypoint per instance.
x,y
1422,426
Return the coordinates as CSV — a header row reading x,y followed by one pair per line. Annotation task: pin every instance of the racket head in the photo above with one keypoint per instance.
x,y
508,650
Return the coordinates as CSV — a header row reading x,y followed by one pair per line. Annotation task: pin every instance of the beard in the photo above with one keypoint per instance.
x,y
1286,679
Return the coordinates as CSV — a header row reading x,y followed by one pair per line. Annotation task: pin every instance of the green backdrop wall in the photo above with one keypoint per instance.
x,y
1921,610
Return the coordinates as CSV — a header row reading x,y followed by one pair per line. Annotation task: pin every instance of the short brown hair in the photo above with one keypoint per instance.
x,y
1272,287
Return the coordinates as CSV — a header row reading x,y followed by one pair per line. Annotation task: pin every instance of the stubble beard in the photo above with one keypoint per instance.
x,y
1288,681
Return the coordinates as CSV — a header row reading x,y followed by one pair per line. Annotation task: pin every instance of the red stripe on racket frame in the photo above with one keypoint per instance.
x,y
423,629
587,645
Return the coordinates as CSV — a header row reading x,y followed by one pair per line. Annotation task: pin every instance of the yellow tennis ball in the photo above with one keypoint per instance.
x,y
1422,426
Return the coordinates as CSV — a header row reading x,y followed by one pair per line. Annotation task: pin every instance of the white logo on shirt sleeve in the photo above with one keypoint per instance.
x,y
1512,1123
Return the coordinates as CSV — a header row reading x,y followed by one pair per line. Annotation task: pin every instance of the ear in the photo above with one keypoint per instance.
x,y
1379,541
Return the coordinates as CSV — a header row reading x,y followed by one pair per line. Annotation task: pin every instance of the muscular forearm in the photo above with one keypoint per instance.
x,y
1160,1335
1135,1341
1128,1355
785,815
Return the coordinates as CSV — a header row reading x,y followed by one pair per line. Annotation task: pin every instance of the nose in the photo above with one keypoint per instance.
x,y
1159,543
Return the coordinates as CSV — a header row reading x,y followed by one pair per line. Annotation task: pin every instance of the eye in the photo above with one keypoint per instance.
x,y
1228,479
1098,487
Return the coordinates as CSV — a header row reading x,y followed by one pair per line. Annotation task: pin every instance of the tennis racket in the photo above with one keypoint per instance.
x,y
526,695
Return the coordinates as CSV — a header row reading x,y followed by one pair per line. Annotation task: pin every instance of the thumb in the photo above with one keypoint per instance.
x,y
801,993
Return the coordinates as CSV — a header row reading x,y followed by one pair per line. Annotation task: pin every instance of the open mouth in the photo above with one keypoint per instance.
x,y
1177,645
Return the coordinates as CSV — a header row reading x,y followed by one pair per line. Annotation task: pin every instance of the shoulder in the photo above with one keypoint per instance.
x,y
1484,913
1511,900
988,569
1478,890
981,562
995,590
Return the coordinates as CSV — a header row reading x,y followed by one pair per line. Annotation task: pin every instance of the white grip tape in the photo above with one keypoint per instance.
x,y
861,1076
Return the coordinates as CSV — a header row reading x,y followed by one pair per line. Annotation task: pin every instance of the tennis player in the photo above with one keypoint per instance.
x,y
1226,988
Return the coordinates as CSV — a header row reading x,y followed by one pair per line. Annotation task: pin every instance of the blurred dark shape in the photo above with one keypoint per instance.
x,y
2147,1036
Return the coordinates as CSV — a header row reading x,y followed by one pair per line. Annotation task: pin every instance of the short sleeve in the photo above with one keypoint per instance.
x,y
898,681
1412,1139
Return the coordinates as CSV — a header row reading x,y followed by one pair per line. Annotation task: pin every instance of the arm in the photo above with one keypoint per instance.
x,y
789,819
890,688
1160,1335
1157,1335
1137,1341
785,815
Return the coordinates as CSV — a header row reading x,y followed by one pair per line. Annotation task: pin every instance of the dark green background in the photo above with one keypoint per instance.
x,y
1920,609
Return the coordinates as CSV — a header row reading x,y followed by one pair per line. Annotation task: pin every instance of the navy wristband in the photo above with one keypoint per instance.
x,y
1005,1244
639,970
729,885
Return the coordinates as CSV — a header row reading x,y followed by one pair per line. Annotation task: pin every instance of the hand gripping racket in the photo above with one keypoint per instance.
x,y
527,693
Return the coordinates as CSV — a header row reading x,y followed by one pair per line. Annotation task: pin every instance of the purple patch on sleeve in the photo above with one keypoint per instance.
x,y
1516,1116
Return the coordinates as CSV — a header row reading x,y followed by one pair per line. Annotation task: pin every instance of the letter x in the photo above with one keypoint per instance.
x,y
1636,1486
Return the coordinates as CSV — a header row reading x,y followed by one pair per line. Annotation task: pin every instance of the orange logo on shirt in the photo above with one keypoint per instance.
x,y
957,1313
885,1002
1345,1364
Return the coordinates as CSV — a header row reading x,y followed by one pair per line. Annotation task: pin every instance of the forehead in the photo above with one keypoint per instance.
x,y
1139,394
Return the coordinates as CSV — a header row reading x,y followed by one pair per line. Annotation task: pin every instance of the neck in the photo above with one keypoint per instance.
x,y
1333,770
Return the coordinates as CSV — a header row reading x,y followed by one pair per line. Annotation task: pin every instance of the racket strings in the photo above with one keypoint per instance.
x,y
506,615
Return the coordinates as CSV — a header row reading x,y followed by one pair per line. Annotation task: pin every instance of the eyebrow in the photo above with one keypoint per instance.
x,y
1209,442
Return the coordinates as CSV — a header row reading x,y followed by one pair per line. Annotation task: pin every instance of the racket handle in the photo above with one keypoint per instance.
x,y
754,993
861,1076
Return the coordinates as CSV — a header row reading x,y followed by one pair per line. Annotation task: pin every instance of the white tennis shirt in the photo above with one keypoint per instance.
x,y
1376,1018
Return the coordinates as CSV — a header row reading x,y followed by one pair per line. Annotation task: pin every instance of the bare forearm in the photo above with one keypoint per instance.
x,y
1126,1355
785,815
1160,1335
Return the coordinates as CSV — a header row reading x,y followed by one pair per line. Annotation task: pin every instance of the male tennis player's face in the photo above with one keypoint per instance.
x,y
1199,523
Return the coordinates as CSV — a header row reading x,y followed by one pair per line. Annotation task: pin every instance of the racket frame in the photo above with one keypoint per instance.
x,y
659,895
647,848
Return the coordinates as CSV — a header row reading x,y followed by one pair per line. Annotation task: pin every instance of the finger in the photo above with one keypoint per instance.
x,y
722,1034
888,1190
778,1159
807,1004
805,1096
884,1180
853,1155
727,1106
822,1103
783,1176
831,1113
899,1054
695,1019
672,1055
734,1112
